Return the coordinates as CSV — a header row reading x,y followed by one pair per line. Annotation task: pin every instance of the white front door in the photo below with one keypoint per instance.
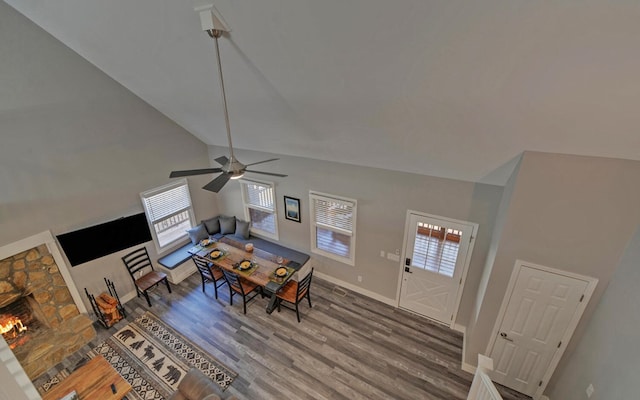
x,y
437,251
541,306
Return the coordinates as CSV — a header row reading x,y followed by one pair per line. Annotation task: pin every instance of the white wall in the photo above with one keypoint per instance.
x,y
608,356
77,148
383,199
567,212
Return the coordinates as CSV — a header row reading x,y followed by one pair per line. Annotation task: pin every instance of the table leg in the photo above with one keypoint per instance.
x,y
272,301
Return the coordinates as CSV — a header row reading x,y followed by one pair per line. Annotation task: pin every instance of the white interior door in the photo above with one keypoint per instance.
x,y
538,315
437,251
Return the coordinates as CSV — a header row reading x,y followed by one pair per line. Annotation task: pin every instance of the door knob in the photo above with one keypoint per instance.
x,y
504,336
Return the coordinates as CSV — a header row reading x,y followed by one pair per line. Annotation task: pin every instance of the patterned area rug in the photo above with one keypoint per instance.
x,y
154,358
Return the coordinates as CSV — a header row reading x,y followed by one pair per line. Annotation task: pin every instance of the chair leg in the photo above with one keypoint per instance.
x,y
278,303
309,298
244,303
215,288
166,282
230,296
297,312
202,284
146,295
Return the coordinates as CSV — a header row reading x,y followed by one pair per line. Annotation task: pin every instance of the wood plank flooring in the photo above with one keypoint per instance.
x,y
346,347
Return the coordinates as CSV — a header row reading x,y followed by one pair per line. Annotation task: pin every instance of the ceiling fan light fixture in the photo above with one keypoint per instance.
x,y
231,168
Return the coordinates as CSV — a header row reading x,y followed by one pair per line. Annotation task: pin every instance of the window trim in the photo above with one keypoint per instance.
x,y
158,190
351,259
246,206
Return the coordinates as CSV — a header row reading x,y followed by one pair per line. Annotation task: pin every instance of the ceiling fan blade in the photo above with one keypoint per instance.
x,y
260,162
189,172
222,160
265,173
217,184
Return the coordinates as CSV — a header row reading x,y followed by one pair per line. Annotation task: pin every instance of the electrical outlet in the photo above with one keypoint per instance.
x,y
359,278
382,253
590,390
397,252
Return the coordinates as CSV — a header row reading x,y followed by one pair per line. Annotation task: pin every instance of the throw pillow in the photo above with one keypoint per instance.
x,y
197,233
212,225
227,225
242,229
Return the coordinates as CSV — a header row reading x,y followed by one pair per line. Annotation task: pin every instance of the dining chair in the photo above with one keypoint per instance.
x,y
241,287
142,272
209,273
294,292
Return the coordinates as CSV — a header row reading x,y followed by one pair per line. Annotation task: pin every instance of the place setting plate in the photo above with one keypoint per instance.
x,y
245,265
207,242
216,253
280,274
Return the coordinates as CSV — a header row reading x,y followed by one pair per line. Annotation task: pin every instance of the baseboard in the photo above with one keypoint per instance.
x,y
357,289
127,297
468,367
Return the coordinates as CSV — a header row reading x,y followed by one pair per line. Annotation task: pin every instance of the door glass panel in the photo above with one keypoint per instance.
x,y
436,248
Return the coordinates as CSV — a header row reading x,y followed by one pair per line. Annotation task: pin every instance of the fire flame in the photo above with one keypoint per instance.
x,y
8,324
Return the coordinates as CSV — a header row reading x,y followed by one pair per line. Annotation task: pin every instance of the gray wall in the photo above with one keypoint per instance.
x,y
76,147
608,354
383,200
567,212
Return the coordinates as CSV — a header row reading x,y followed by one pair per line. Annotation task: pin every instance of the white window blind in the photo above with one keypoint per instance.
x,y
169,212
260,209
164,204
333,226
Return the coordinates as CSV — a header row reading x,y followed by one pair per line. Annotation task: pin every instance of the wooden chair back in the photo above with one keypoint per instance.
x,y
203,267
233,280
304,286
138,262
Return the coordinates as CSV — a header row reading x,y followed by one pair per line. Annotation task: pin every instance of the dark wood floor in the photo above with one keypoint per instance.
x,y
346,347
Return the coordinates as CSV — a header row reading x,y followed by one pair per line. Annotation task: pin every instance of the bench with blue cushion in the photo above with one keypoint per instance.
x,y
181,254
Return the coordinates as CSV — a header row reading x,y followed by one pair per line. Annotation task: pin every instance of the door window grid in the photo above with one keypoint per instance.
x,y
169,212
259,205
333,227
436,248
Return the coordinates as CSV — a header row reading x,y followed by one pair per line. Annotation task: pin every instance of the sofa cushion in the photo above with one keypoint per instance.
x,y
227,225
242,229
212,225
197,233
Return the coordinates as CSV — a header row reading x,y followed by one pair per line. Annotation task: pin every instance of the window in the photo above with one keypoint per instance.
x,y
169,212
260,208
333,227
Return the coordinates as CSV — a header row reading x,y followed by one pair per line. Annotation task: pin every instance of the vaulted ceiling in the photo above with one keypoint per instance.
x,y
455,89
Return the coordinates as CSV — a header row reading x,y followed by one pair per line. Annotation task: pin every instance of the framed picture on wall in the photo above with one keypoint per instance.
x,y
292,208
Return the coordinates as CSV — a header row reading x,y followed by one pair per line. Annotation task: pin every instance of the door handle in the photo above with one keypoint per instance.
x,y
505,337
406,269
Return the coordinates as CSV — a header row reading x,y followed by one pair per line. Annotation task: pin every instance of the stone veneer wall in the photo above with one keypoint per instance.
x,y
34,273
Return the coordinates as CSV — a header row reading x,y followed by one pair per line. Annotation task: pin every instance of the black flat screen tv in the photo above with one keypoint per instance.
x,y
100,240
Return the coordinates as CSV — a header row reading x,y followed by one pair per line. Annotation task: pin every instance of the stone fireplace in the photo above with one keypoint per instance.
x,y
39,318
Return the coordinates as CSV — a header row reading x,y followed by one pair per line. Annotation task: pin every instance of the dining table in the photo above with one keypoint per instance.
x,y
257,266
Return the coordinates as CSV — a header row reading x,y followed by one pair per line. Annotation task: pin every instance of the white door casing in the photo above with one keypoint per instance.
x,y
539,313
434,268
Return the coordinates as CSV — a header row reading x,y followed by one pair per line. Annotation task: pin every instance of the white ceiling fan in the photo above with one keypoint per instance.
x,y
214,25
